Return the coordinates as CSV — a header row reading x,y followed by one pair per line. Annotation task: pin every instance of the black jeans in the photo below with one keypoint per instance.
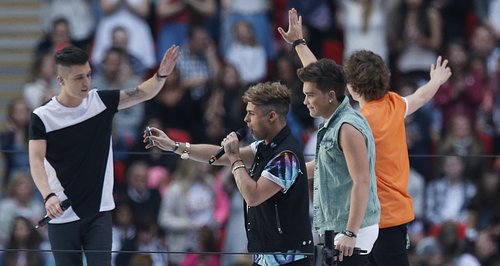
x,y
390,247
91,233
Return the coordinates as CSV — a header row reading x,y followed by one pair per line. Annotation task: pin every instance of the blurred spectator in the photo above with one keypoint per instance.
x,y
41,85
174,17
461,139
145,202
124,231
456,16
56,39
14,139
131,15
298,118
117,75
416,37
159,178
493,18
140,259
484,209
491,107
198,63
255,12
78,13
155,157
188,205
120,39
147,240
448,197
23,236
486,246
319,26
247,54
463,93
364,23
235,239
20,201
483,45
175,109
225,100
205,242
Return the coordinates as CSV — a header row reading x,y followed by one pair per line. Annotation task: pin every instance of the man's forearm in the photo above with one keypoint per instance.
x,y
40,178
201,152
305,54
359,201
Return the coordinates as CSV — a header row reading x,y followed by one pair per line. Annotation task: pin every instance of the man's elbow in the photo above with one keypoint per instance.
x,y
253,201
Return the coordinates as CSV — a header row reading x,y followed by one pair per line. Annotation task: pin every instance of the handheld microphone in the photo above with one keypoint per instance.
x,y
46,219
240,134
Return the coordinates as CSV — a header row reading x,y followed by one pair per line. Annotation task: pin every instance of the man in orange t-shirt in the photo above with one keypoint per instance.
x,y
368,83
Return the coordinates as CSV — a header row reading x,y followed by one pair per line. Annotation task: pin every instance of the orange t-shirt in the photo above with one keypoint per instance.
x,y
392,166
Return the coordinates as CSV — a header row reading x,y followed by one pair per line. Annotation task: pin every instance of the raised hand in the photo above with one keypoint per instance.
x,y
169,60
440,72
294,27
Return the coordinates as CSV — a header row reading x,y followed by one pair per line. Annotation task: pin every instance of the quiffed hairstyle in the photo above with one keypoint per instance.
x,y
71,56
269,95
367,74
327,75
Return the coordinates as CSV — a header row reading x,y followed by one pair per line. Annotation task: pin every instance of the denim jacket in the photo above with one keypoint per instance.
x,y
332,182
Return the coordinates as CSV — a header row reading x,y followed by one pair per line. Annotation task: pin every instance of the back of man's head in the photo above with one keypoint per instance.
x,y
367,74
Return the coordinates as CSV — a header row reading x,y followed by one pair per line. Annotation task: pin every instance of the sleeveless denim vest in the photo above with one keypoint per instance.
x,y
332,182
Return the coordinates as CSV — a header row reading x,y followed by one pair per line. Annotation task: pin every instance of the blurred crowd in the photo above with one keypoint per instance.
x,y
168,204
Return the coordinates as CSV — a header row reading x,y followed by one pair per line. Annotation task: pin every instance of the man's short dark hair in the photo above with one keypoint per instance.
x,y
327,75
71,56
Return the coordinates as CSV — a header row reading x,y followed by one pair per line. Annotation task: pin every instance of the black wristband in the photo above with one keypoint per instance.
x,y
298,42
49,196
349,233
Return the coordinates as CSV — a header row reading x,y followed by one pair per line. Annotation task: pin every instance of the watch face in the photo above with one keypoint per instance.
x,y
348,233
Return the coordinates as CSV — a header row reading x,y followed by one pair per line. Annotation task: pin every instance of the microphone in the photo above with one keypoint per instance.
x,y
240,134
46,219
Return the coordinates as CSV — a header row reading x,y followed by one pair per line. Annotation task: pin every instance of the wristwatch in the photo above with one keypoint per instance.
x,y
349,233
185,153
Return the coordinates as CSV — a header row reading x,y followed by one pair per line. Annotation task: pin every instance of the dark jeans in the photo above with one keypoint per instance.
x,y
92,233
390,247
